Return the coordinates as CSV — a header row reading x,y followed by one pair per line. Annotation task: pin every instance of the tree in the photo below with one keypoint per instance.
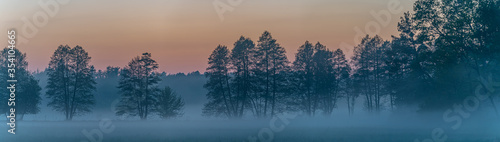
x,y
270,72
320,78
303,66
138,84
368,59
487,33
325,79
28,96
169,105
351,94
242,64
341,72
247,78
400,56
220,98
462,37
408,66
27,92
71,81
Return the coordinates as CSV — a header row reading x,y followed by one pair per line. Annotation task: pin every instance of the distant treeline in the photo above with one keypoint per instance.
x,y
446,55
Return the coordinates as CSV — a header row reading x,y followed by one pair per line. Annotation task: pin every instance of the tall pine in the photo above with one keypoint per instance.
x,y
271,71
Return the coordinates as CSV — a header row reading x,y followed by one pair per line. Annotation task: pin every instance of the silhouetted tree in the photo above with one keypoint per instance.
x,y
220,98
341,72
27,92
368,58
320,77
71,81
351,94
407,66
242,64
306,99
463,39
138,84
324,79
270,72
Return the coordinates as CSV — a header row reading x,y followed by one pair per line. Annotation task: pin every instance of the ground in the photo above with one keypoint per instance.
x,y
298,130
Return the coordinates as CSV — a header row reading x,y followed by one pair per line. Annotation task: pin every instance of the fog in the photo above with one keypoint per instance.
x,y
390,125
480,126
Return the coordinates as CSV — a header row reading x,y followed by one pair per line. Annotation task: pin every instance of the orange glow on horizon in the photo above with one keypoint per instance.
x,y
181,34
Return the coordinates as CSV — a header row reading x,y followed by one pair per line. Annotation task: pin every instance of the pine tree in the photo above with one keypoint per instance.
x,y
303,66
271,71
138,85
242,64
220,98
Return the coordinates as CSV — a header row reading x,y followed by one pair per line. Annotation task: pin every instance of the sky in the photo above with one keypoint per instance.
x,y
181,34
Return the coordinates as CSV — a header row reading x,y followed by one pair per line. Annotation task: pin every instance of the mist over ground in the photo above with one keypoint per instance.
x,y
384,128
402,124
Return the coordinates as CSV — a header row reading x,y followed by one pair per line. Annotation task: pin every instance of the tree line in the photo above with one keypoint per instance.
x,y
444,51
71,86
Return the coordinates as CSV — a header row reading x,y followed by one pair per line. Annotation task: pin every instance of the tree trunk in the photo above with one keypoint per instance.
x,y
494,105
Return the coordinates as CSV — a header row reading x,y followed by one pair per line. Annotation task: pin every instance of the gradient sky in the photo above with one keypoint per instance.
x,y
181,34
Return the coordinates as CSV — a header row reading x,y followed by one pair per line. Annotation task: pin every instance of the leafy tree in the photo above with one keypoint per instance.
x,y
71,81
138,84
27,88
